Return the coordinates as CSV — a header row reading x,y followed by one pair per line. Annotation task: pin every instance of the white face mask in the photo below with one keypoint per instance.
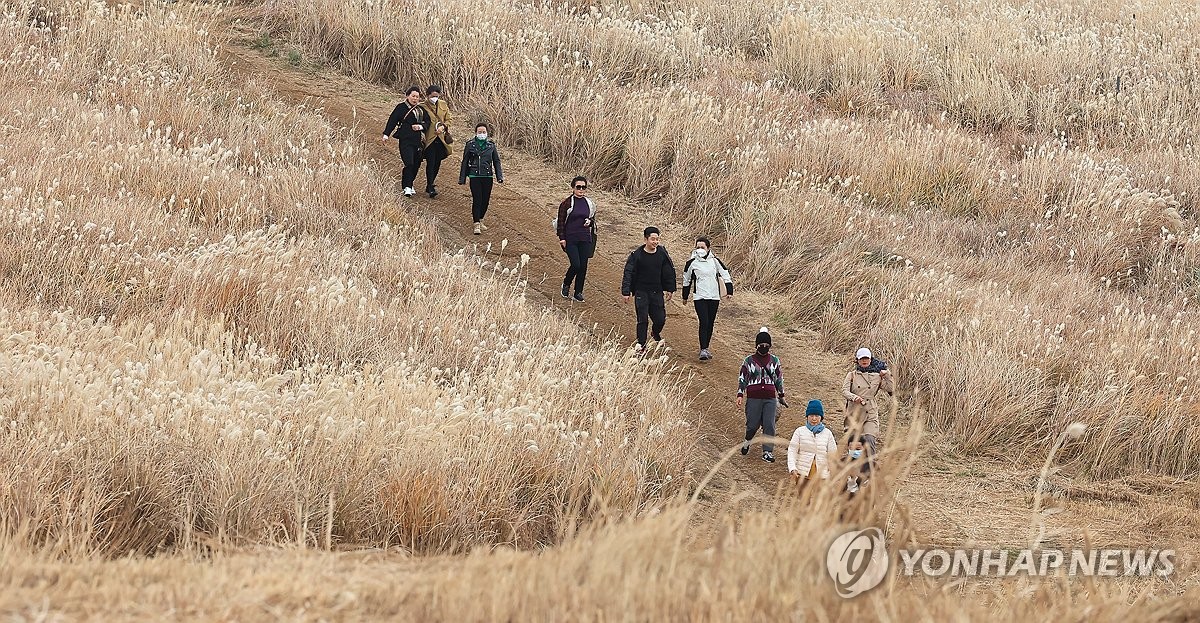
x,y
433,99
481,136
701,253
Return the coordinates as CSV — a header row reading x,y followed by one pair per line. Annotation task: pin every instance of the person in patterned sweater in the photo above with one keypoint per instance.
x,y
760,390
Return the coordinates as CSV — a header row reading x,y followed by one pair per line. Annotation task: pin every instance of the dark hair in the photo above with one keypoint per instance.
x,y
483,125
434,88
411,89
650,230
706,241
578,178
855,437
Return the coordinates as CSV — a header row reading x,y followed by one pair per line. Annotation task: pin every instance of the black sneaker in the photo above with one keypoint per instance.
x,y
746,448
578,297
768,457
432,193
566,291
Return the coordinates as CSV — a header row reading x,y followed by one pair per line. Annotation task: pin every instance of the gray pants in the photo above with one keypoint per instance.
x,y
760,413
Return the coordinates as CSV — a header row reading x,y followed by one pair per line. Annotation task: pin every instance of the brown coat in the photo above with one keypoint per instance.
x,y
865,385
438,114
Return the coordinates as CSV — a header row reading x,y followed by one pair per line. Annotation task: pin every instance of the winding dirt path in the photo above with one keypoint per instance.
x,y
949,500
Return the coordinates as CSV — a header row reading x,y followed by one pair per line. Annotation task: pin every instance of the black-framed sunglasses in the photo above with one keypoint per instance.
x,y
581,187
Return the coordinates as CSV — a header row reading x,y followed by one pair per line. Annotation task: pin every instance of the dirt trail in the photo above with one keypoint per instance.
x,y
950,502
520,212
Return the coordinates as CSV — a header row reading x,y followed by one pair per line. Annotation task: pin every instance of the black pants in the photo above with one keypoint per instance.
x,y
650,306
706,311
410,153
433,164
578,254
481,195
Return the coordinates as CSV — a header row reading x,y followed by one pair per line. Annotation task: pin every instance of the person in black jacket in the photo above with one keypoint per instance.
x,y
650,280
408,123
480,159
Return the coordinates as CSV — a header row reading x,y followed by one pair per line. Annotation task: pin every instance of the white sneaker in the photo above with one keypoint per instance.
x,y
482,226
478,229
408,192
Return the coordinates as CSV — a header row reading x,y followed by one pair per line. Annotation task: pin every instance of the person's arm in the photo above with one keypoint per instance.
x,y
778,376
723,272
561,224
885,381
462,171
793,450
743,377
630,273
496,164
670,280
392,122
687,278
851,396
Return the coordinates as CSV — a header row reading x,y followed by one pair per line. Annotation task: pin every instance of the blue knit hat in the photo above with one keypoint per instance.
x,y
815,408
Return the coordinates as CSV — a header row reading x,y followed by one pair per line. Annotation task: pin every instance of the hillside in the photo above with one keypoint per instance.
x,y
248,380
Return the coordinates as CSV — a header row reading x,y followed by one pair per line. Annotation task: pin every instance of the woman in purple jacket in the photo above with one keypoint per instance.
x,y
576,226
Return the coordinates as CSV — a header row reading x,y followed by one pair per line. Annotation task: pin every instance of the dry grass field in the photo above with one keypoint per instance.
x,y
241,379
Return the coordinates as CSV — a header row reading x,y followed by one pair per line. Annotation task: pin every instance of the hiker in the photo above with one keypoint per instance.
x,y
859,472
813,447
706,273
408,122
760,389
437,136
650,280
576,227
861,387
480,162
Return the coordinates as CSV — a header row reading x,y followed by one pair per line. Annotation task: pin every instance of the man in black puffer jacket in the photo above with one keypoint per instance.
x,y
650,280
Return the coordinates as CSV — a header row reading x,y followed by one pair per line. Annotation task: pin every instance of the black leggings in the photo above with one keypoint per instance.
x,y
410,153
706,311
578,254
481,196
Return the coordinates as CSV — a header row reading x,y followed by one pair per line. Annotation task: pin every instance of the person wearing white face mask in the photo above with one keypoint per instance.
x,y
855,455
481,161
437,136
707,275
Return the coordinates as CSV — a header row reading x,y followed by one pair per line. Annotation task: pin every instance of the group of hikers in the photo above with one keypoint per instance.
x,y
813,445
422,126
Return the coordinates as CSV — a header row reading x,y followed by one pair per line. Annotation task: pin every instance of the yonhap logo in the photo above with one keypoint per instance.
x,y
857,561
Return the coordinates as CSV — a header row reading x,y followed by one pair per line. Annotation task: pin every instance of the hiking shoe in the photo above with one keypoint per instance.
x,y
478,229
432,192
705,355
566,291
578,297
746,448
482,226
768,457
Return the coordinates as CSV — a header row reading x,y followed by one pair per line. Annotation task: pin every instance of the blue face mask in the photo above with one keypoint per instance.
x,y
856,454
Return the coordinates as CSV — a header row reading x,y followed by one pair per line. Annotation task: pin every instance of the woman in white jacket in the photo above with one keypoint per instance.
x,y
706,274
812,447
